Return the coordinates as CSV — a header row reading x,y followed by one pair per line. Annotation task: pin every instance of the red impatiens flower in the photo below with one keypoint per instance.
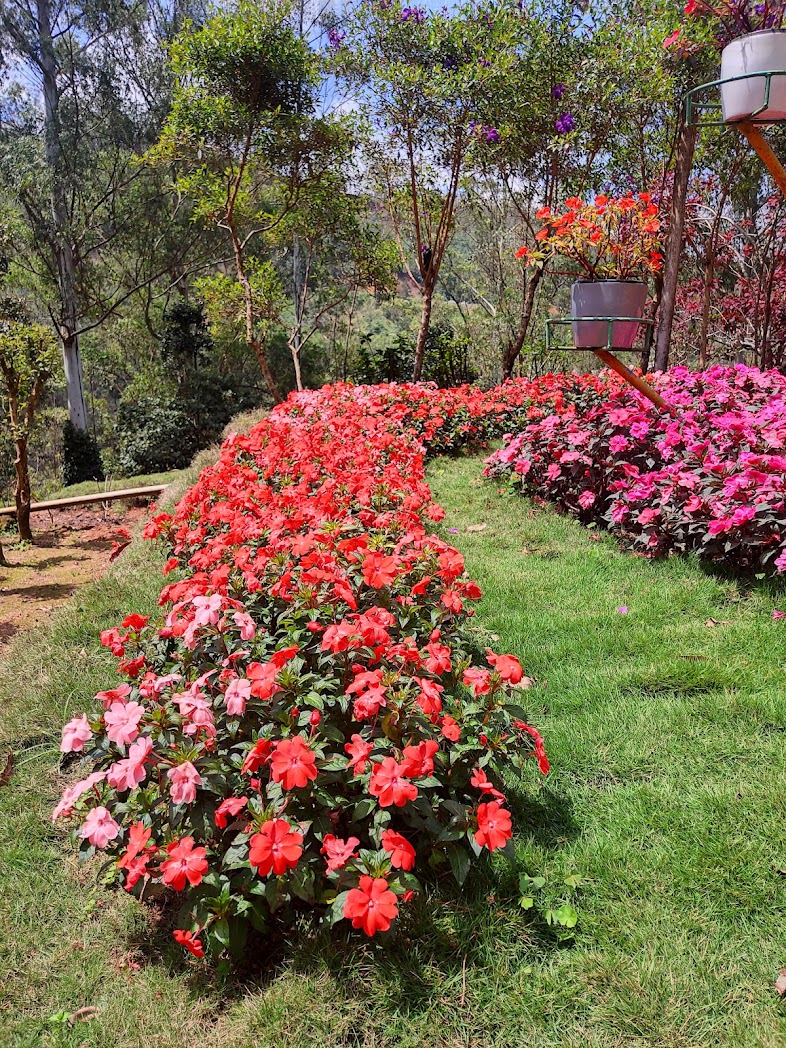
x,y
450,729
540,749
257,756
379,570
358,750
231,806
390,785
338,852
402,854
190,941
418,762
507,666
276,847
371,906
293,763
494,826
185,863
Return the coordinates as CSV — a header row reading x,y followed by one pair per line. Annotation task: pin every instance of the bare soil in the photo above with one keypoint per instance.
x,y
71,547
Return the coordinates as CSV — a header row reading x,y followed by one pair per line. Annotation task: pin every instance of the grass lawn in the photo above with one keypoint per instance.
x,y
95,487
666,730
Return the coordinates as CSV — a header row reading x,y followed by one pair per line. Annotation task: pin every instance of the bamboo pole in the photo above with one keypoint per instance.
x,y
84,500
636,381
760,144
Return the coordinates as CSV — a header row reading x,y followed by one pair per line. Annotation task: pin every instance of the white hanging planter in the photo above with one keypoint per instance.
x,y
761,52
606,298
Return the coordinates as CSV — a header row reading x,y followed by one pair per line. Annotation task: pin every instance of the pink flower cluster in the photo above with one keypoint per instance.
x,y
707,476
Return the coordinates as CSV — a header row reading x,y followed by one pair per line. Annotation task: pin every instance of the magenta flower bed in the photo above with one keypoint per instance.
x,y
707,477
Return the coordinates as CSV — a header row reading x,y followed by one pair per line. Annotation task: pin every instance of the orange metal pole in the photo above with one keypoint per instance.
x,y
760,144
636,381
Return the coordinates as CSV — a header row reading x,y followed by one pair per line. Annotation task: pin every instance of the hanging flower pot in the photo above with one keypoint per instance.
x,y
763,51
606,298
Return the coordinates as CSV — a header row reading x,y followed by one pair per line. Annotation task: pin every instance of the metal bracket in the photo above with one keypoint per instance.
x,y
694,107
611,321
608,358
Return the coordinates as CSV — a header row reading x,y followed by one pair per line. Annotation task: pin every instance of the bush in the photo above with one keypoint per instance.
x,y
81,457
316,719
707,476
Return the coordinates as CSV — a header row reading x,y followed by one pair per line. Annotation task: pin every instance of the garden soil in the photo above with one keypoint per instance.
x,y
71,547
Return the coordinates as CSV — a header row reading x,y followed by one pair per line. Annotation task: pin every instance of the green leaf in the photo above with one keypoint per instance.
x,y
459,863
566,916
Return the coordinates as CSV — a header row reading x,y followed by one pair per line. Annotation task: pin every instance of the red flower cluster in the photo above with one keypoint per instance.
x,y
708,476
314,719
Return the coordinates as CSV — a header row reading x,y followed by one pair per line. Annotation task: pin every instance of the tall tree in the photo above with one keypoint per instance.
x,y
426,82
243,141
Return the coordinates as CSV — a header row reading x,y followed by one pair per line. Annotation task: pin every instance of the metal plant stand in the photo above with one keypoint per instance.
x,y
695,108
605,354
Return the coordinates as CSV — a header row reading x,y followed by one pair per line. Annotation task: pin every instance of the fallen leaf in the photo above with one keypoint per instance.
x,y
6,773
695,658
711,622
526,682
117,549
780,983
477,527
83,1015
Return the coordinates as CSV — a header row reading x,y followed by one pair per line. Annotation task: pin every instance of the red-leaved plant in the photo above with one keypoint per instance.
x,y
316,720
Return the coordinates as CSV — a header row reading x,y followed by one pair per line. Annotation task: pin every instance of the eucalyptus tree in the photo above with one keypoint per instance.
x,y
83,92
426,83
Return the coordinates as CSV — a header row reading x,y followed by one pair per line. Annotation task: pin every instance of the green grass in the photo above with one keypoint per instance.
x,y
666,736
95,487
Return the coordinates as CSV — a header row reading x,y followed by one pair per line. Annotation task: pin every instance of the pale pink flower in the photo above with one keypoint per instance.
x,y
75,734
73,793
237,695
208,609
122,722
118,694
127,774
246,625
99,827
586,498
185,779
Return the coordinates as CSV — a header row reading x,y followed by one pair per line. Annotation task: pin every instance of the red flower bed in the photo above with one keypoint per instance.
x,y
709,476
315,721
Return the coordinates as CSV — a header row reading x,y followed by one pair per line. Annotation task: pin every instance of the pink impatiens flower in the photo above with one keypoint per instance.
x,y
99,827
237,695
122,722
185,779
128,773
75,734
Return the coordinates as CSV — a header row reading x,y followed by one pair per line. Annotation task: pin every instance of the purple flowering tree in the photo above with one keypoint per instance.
x,y
428,84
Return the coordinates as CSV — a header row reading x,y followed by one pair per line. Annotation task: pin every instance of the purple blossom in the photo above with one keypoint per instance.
x,y
484,62
565,124
413,14
492,135
336,38
557,92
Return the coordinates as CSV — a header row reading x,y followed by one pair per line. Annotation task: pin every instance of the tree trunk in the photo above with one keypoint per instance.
x,y
294,349
513,349
3,561
22,494
706,304
425,323
644,361
685,149
252,341
61,244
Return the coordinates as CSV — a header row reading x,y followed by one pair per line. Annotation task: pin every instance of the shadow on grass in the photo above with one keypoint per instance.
x,y
439,938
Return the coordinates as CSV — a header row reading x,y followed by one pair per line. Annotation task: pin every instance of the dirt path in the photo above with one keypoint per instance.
x,y
71,547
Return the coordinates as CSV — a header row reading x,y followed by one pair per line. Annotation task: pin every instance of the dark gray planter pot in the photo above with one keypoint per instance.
x,y
606,298
760,52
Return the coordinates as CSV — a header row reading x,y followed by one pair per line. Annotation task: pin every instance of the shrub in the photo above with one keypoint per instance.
x,y
316,719
81,457
707,476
